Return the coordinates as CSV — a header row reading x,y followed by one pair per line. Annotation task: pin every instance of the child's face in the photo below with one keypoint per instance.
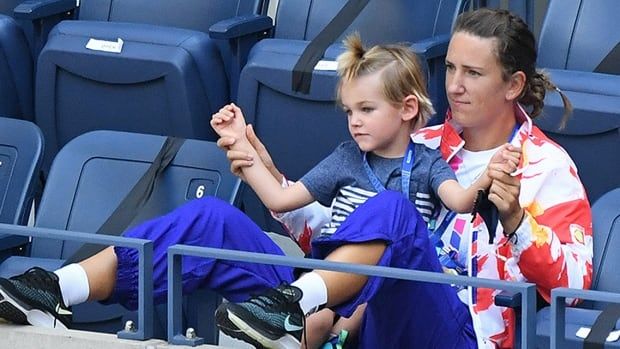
x,y
375,123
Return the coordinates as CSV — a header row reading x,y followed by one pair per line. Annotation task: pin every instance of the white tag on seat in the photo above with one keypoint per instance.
x,y
326,65
105,46
583,332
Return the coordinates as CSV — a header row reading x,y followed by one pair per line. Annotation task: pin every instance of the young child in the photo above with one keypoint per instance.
x,y
382,91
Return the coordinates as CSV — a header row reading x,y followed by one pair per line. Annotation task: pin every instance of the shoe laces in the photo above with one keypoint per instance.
x,y
43,280
37,278
277,300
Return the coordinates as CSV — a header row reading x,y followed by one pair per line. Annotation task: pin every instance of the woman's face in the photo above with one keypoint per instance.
x,y
476,91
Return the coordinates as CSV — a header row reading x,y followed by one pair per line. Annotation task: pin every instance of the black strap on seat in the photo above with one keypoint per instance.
x,y
135,200
604,324
302,72
611,63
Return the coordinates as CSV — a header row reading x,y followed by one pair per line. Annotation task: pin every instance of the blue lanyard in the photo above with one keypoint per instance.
x,y
405,171
514,132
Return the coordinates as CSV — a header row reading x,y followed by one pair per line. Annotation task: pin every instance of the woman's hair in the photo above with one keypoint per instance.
x,y
516,51
400,70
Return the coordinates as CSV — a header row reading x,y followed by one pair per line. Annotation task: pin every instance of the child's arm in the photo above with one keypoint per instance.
x,y
229,122
460,199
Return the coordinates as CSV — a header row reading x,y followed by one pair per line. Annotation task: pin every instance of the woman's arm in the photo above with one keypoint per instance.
x,y
547,210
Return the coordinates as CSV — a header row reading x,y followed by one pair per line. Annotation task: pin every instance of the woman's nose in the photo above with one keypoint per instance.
x,y
454,83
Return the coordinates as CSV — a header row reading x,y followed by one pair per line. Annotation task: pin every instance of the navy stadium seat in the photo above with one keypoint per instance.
x,y
168,78
606,263
89,178
16,72
21,151
576,37
300,129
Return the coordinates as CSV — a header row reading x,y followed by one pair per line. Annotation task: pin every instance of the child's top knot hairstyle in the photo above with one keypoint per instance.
x,y
400,69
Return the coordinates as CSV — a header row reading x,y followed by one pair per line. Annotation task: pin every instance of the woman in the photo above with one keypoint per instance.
x,y
544,233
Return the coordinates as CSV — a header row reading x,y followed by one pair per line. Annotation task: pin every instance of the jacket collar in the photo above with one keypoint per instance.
x,y
451,141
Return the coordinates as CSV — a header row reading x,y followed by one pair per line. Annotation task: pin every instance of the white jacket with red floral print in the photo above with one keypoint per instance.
x,y
554,241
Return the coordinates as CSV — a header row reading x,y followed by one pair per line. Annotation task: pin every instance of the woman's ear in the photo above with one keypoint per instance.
x,y
517,85
410,108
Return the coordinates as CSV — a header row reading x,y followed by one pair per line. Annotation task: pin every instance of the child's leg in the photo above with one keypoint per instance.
x,y
101,273
208,222
351,324
112,275
318,328
388,231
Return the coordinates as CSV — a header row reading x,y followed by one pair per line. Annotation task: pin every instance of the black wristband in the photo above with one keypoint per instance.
x,y
510,235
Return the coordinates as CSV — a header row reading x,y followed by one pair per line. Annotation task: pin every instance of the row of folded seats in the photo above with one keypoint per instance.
x,y
181,60
94,172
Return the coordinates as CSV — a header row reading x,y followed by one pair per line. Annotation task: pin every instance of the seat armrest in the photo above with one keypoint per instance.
x,y
432,47
239,26
37,9
508,299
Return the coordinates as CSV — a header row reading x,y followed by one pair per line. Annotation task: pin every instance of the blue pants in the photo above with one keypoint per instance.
x,y
399,313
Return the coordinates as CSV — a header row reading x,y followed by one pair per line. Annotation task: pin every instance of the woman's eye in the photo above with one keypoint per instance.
x,y
473,73
367,109
449,66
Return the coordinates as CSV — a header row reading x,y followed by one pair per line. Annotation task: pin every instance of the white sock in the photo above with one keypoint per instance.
x,y
314,292
73,284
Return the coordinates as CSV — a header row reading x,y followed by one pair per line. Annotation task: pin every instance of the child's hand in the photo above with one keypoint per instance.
x,y
509,156
504,161
229,122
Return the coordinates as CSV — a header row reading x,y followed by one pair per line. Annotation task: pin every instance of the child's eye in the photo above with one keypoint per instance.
x,y
347,111
367,109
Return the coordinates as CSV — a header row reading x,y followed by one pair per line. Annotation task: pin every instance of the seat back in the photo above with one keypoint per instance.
x,y
300,129
196,15
7,6
303,20
578,34
606,227
189,14
606,261
16,71
94,172
167,79
21,150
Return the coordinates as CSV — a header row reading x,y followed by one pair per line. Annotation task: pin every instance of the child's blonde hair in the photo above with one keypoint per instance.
x,y
401,73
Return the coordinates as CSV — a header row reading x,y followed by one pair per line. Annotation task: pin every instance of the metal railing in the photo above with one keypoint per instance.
x,y
144,329
175,252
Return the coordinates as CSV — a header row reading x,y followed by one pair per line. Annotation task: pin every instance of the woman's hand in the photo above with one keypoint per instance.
x,y
504,193
240,159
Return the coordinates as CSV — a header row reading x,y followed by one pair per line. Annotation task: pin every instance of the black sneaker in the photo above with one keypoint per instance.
x,y
270,320
34,298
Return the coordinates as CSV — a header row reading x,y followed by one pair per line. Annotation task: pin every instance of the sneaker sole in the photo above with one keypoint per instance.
x,y
231,330
285,342
16,311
